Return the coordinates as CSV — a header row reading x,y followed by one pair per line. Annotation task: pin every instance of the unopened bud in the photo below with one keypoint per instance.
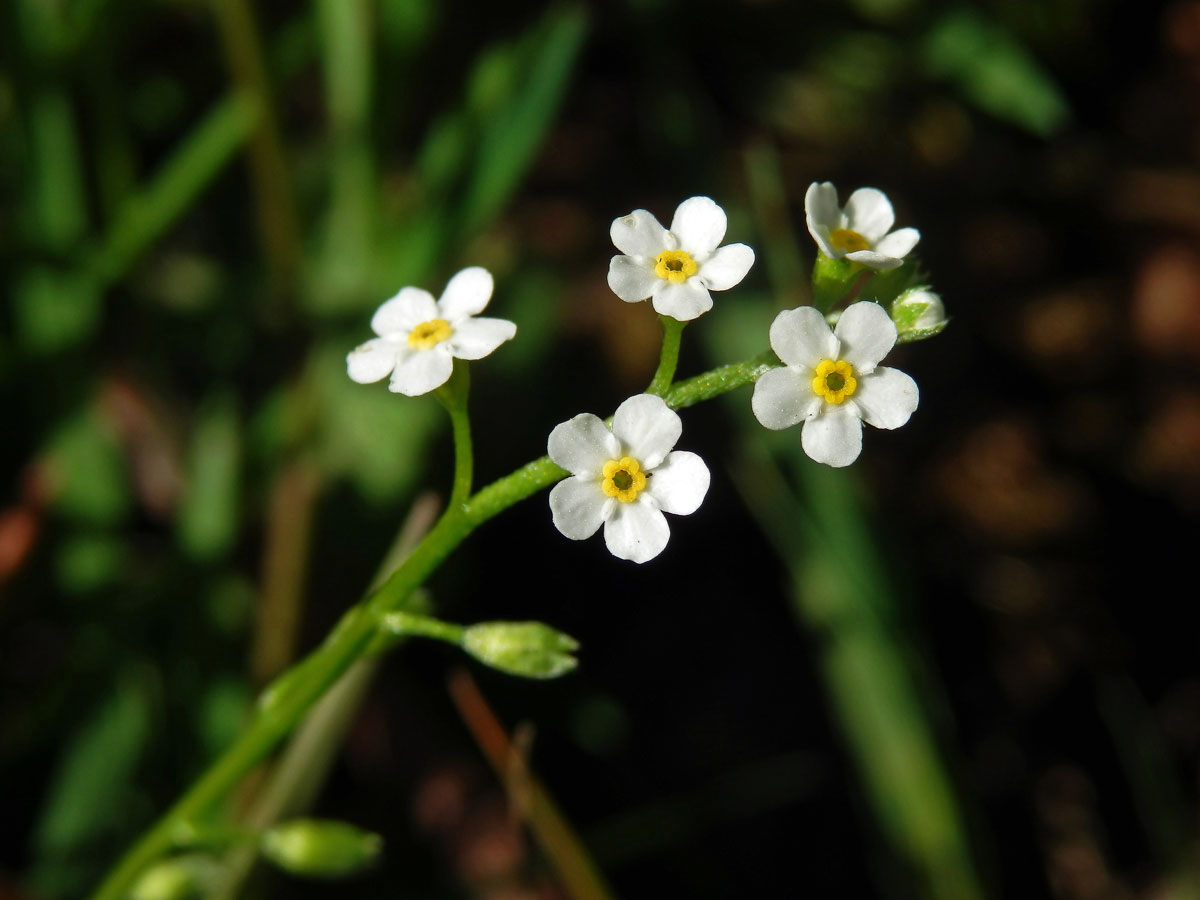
x,y
320,848
529,649
918,313
177,878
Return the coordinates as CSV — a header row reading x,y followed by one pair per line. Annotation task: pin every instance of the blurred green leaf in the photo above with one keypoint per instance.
x,y
87,470
91,784
208,516
994,71
374,437
222,712
511,137
89,561
55,310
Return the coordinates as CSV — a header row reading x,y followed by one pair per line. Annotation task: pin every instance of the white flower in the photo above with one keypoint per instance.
x,y
832,380
419,338
858,231
677,268
625,478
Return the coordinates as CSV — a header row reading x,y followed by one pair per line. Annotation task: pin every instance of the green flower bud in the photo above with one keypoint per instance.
x,y
529,649
320,848
918,313
177,878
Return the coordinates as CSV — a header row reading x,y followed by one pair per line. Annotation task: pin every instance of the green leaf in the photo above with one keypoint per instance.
x,y
994,71
93,782
88,472
208,516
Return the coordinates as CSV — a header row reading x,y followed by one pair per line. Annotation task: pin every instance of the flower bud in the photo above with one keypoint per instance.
x,y
320,848
918,313
177,878
529,649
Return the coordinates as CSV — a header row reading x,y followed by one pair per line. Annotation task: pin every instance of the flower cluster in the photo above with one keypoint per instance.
x,y
624,477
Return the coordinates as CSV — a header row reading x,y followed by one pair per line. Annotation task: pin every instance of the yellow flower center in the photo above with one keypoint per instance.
x,y
848,241
623,479
834,381
429,334
676,266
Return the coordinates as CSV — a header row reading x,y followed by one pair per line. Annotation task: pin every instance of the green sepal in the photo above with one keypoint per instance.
x,y
832,280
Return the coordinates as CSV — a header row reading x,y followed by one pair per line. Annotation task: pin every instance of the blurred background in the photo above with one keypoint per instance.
x,y
965,668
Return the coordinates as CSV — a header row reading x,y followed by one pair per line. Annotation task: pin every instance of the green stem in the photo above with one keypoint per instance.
x,y
668,360
453,396
406,624
285,702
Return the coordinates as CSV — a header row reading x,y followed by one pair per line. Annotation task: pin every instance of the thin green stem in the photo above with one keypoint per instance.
x,y
453,395
668,359
406,624
285,702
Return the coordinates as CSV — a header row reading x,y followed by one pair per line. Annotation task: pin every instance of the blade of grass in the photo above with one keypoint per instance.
x,y
510,140
274,206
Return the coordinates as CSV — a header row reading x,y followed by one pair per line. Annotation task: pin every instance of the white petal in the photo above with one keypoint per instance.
x,y
420,371
404,312
682,302
577,507
886,397
680,483
821,206
583,445
638,234
867,333
834,438
899,244
869,212
647,429
630,280
820,234
636,531
873,260
466,294
476,338
782,397
699,224
800,337
726,267
371,361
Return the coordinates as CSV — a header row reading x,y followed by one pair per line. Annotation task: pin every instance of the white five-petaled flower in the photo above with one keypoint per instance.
x,y
676,268
625,478
419,338
832,379
859,231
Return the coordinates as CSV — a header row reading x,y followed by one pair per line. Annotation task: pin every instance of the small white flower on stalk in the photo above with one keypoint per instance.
x,y
676,268
832,380
419,338
859,231
625,478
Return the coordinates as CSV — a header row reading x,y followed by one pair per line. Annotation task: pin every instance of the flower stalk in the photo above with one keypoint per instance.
x,y
285,702
668,358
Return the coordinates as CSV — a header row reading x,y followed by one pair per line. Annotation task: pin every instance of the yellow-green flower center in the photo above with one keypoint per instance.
x,y
676,266
429,334
848,241
834,381
623,479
